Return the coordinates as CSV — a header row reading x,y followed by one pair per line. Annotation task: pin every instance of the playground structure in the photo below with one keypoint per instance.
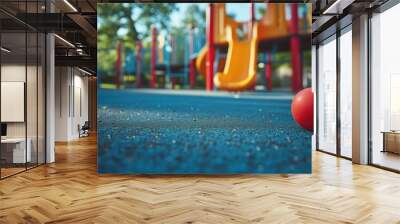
x,y
272,31
164,61
227,56
174,66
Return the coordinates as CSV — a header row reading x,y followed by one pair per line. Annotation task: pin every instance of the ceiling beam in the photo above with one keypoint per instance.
x,y
80,61
86,26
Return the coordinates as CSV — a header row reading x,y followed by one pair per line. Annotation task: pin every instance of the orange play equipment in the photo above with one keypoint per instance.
x,y
240,70
201,61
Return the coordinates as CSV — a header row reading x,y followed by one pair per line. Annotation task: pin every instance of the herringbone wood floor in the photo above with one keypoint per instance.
x,y
70,191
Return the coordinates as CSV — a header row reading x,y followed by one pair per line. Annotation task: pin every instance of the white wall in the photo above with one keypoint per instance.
x,y
80,110
13,73
13,101
62,81
71,94
33,126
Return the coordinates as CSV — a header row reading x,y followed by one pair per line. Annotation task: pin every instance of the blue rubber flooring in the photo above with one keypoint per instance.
x,y
154,132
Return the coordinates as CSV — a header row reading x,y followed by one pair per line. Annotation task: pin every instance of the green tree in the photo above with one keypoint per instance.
x,y
127,17
261,11
194,17
122,22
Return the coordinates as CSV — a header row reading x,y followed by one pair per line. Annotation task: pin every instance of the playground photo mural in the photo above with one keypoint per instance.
x,y
204,88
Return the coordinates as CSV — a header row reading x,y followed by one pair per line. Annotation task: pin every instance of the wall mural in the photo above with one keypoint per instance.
x,y
204,88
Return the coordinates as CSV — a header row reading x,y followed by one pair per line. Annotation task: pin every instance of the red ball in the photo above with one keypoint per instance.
x,y
303,109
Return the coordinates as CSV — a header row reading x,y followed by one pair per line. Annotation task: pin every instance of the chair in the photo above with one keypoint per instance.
x,y
84,130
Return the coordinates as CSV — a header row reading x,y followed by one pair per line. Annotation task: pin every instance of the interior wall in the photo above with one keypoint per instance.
x,y
80,102
71,102
33,126
15,73
62,81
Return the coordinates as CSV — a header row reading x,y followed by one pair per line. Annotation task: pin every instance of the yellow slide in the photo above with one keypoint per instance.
x,y
201,61
240,70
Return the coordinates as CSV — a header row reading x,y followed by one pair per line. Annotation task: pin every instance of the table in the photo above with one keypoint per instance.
x,y
391,141
19,154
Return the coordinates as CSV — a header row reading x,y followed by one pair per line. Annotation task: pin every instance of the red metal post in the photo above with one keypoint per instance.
x,y
172,59
268,72
297,84
252,19
138,64
252,12
211,49
191,61
173,81
118,66
153,56
250,34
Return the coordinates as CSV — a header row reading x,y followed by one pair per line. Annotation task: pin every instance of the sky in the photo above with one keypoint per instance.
x,y
241,10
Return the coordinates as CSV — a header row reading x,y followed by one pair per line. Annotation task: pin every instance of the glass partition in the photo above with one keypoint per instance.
x,y
32,95
14,153
327,95
22,88
385,89
346,93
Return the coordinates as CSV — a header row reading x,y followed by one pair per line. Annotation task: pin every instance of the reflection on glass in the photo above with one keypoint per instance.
x,y
41,99
22,89
346,94
31,101
14,150
385,94
327,96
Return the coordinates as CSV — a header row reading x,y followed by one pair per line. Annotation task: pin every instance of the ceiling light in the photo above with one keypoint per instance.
x,y
84,71
64,40
70,5
5,50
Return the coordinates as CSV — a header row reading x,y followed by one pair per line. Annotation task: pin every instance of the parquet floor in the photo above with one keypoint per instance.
x,y
70,191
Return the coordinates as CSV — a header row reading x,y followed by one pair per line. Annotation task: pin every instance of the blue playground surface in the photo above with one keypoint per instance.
x,y
195,132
